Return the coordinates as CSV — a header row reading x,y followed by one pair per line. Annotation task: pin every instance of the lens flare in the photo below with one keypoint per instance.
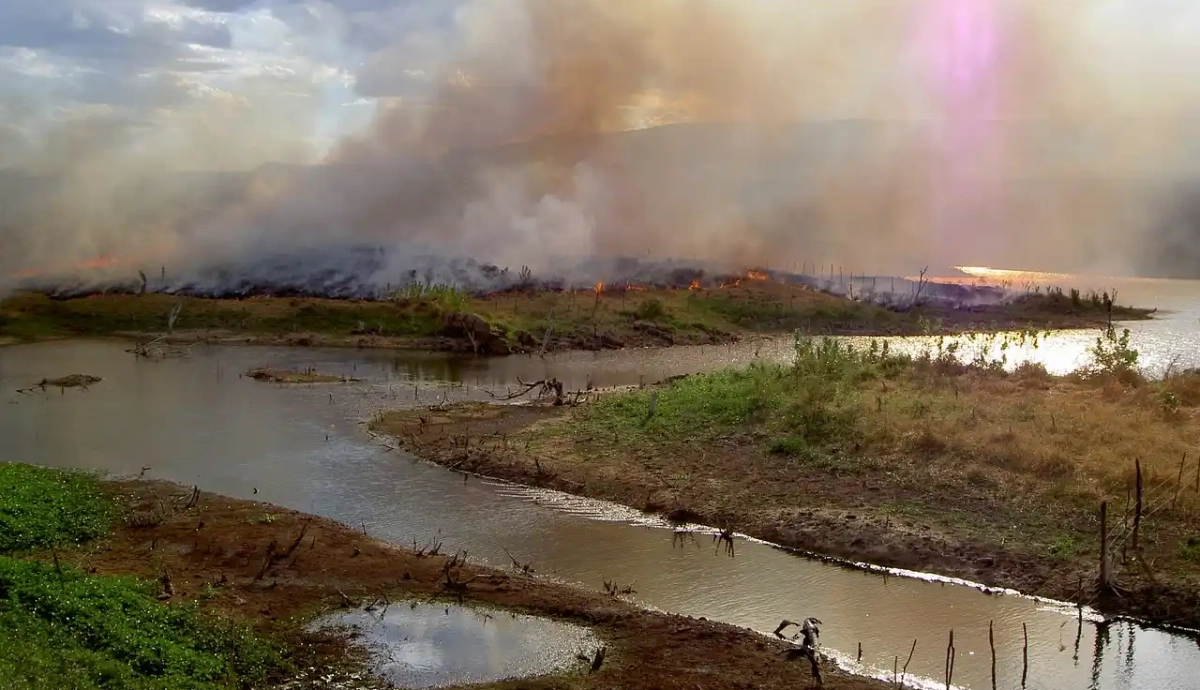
x,y
962,52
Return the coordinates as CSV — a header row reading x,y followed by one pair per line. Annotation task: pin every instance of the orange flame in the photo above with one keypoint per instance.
x,y
599,288
757,275
635,288
695,285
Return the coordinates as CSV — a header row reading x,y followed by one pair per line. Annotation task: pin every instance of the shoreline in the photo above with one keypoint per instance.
x,y
528,323
338,568
446,345
853,532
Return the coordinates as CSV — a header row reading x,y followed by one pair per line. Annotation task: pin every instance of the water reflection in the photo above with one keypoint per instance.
x,y
431,645
196,421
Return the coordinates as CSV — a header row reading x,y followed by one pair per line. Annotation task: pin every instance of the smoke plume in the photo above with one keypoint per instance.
x,y
880,135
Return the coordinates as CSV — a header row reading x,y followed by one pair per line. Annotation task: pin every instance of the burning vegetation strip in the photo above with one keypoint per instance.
x,y
925,463
152,585
543,319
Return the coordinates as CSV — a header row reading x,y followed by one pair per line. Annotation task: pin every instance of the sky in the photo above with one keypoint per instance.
x,y
108,94
140,62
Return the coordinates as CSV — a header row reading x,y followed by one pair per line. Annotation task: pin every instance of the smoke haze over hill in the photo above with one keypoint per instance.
x,y
883,135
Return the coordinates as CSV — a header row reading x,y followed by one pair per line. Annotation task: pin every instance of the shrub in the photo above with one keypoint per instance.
x,y
1112,355
651,310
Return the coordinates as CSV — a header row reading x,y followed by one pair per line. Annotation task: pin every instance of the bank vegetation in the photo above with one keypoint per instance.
x,y
530,321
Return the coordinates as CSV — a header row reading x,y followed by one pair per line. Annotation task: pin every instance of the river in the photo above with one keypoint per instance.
x,y
196,421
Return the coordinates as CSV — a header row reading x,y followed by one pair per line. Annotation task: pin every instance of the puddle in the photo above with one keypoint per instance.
x,y
436,645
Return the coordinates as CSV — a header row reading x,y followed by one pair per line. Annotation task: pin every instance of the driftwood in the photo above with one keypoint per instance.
x,y
81,381
597,661
724,537
615,590
453,585
160,349
809,646
544,387
526,568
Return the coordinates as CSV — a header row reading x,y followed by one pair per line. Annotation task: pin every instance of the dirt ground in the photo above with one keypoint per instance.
x,y
276,567
836,516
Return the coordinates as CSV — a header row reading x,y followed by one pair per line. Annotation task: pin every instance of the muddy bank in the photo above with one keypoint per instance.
x,y
862,516
276,568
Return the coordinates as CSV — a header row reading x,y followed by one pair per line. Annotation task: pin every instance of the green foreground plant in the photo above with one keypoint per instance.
x,y
63,628
1112,353
41,508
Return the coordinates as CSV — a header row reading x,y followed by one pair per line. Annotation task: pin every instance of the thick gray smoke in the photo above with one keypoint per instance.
x,y
880,135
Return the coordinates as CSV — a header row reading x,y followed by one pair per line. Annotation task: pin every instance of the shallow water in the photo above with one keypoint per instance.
x,y
196,421
432,645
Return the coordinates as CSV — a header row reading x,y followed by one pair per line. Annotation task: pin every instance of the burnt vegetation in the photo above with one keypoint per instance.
x,y
493,311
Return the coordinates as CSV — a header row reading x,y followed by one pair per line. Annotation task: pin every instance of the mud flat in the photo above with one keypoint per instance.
x,y
212,562
531,321
925,464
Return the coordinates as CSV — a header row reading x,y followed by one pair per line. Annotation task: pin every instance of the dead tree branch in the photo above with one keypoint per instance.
x,y
809,647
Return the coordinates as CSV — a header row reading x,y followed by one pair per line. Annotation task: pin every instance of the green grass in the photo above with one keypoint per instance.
x,y
72,630
1064,548
41,508
61,628
805,406
1189,549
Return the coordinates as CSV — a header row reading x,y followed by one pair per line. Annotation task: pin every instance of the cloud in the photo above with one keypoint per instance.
x,y
110,34
880,134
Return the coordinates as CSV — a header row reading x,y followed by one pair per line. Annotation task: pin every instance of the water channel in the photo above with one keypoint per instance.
x,y
196,421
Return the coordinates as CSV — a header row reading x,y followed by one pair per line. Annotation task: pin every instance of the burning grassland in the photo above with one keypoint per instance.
x,y
483,309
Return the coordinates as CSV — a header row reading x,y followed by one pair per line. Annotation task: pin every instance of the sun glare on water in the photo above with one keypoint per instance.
x,y
1003,274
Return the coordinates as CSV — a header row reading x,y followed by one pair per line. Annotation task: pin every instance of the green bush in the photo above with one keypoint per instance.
x,y
651,310
1189,549
1112,355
